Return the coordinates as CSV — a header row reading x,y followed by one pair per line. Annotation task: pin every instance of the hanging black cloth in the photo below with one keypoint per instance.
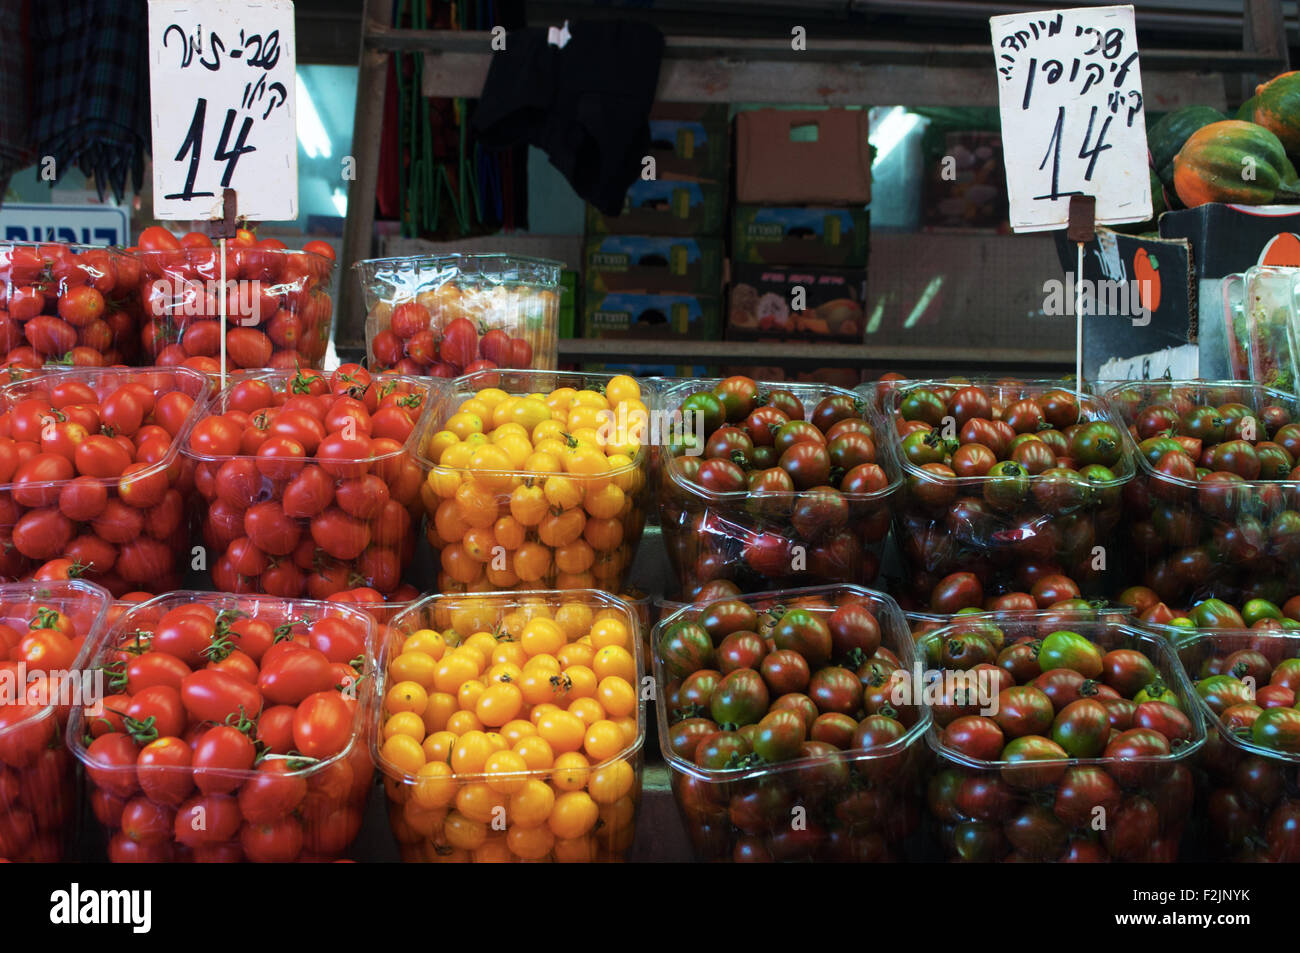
x,y
584,104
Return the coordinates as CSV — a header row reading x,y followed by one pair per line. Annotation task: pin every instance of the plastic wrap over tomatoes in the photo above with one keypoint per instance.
x,y
457,314
92,482
776,722
67,304
47,631
278,307
1215,508
511,727
310,482
772,485
235,729
1005,483
1058,742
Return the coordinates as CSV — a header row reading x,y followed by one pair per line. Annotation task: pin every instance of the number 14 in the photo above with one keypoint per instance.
x,y
193,144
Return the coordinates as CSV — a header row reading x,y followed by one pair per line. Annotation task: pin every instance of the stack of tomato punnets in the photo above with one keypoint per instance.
x,y
1247,683
278,307
311,483
777,718
537,479
1215,510
93,482
1059,744
66,304
1005,484
772,485
235,729
511,727
458,314
46,634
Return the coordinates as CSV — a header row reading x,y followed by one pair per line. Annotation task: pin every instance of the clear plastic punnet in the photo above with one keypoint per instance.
x,y
251,685
1003,483
446,315
86,506
1059,742
774,527
47,634
511,727
1214,510
537,479
795,754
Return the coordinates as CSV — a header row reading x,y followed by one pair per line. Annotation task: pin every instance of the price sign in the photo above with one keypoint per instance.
x,y
221,84
1070,94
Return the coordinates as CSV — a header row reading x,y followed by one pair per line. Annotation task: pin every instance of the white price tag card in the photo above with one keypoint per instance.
x,y
221,85
1070,94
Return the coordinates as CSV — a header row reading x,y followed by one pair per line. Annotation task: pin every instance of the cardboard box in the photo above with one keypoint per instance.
x,y
1139,301
1226,239
803,157
567,322
653,263
624,315
970,192
665,207
690,148
764,301
797,235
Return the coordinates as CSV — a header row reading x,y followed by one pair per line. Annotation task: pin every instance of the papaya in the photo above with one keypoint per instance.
x,y
1277,109
1234,161
1167,135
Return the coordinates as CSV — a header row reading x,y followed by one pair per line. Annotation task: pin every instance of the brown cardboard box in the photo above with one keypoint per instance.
x,y
803,157
762,303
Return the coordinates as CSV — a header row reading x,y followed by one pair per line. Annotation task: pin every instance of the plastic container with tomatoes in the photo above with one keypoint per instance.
x,y
47,631
781,744
511,727
236,729
1004,483
279,312
1215,508
66,304
789,485
1058,742
1246,683
537,479
310,480
455,314
94,484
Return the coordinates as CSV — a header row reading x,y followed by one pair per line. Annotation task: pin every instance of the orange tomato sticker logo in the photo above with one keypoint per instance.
x,y
1282,249
1146,271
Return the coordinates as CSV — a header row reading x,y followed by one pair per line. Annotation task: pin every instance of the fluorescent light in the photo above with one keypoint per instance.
x,y
340,200
892,130
311,131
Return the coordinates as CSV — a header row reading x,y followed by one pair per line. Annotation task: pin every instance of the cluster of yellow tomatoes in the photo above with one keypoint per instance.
x,y
538,490
509,733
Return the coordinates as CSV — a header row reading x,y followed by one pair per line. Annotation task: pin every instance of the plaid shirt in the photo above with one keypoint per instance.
x,y
92,83
15,90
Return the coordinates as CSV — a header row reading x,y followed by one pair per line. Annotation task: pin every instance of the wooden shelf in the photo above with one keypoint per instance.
x,y
802,354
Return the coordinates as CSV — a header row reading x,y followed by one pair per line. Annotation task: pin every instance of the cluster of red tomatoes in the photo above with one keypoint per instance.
x,y
1250,683
1215,512
310,486
754,686
39,638
68,306
94,484
1007,482
413,343
773,494
229,734
159,303
1059,746
278,308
